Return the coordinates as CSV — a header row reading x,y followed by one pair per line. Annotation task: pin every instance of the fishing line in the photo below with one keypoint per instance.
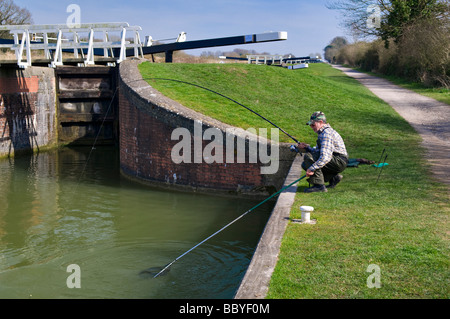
x,y
212,91
229,224
96,137
184,82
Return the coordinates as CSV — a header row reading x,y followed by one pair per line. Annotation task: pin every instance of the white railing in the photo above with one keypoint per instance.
x,y
25,37
264,58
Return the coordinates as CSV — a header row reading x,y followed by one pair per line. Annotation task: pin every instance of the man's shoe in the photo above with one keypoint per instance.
x,y
335,180
316,188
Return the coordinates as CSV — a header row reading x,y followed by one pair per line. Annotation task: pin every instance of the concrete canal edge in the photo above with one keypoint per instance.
x,y
255,283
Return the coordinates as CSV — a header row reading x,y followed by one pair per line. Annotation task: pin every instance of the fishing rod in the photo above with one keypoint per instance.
x,y
382,165
229,224
212,91
293,148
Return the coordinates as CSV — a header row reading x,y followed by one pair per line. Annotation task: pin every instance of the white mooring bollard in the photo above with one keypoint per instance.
x,y
306,215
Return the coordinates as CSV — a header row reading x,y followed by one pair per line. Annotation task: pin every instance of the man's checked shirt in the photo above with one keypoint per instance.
x,y
329,142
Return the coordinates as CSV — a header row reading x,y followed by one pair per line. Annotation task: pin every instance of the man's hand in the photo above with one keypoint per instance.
x,y
309,172
303,145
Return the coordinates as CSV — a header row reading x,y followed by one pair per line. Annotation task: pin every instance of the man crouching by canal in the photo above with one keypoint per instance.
x,y
327,159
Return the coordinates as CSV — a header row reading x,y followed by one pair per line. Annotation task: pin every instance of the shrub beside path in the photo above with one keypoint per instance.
x,y
429,117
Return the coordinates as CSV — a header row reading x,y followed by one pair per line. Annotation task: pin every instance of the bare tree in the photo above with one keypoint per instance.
x,y
361,17
10,13
387,18
416,36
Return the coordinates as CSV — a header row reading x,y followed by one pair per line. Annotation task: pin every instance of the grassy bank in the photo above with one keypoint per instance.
x,y
399,223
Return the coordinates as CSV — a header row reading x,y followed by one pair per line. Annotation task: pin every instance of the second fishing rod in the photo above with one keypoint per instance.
x,y
226,97
293,148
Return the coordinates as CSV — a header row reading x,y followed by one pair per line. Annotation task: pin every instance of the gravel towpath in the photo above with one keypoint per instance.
x,y
430,118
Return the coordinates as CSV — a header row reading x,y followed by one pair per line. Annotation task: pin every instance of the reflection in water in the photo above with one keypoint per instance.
x,y
59,208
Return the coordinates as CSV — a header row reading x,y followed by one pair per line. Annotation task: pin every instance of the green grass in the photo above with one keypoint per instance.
x,y
399,224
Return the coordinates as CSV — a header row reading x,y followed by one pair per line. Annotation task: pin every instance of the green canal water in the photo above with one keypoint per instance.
x,y
73,207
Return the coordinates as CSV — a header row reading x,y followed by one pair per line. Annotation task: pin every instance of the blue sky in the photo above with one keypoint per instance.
x,y
309,24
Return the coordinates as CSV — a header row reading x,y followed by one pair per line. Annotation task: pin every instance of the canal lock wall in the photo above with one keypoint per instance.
x,y
27,109
147,120
42,107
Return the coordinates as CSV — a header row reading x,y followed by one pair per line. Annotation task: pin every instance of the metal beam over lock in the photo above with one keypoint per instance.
x,y
36,37
169,48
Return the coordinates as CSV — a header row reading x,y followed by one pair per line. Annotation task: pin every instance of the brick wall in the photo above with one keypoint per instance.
x,y
146,122
27,109
19,84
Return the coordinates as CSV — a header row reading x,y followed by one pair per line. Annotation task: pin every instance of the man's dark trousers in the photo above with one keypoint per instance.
x,y
336,165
